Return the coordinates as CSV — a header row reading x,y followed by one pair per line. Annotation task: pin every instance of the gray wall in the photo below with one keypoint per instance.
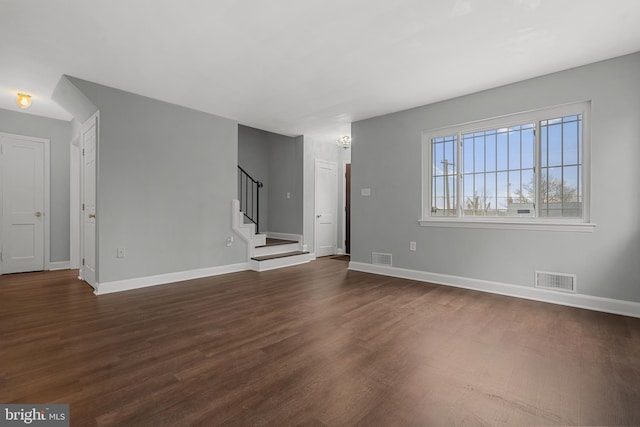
x,y
253,157
285,176
386,157
276,161
59,134
166,178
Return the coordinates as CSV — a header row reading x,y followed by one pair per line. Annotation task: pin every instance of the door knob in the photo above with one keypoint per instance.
x,y
38,214
92,215
318,216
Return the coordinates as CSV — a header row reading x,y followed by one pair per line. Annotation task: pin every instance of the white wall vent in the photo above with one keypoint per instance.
x,y
556,281
380,258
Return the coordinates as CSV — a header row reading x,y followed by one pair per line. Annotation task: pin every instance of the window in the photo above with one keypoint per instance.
x,y
526,167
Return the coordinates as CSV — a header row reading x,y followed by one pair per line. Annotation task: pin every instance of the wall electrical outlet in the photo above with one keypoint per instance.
x,y
230,241
412,246
120,253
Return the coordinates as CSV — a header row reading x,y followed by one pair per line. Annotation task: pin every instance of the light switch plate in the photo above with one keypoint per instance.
x,y
365,191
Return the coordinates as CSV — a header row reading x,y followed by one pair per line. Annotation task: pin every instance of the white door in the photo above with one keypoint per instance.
x,y
88,211
23,204
326,208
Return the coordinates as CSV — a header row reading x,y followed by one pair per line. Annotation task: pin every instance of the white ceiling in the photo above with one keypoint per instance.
x,y
301,66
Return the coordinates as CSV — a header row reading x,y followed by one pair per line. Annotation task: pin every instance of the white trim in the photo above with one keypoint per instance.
x,y
47,192
284,236
59,265
47,204
607,305
537,225
583,108
586,163
75,160
162,279
245,231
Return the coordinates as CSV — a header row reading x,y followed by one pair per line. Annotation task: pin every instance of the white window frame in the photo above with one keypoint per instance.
x,y
581,224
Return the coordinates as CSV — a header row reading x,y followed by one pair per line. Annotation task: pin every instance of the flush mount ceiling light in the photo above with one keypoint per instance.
x,y
344,142
23,100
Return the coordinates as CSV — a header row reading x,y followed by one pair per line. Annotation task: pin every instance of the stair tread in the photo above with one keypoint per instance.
x,y
276,256
275,242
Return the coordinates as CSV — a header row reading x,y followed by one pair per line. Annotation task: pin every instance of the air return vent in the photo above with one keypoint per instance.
x,y
556,281
380,259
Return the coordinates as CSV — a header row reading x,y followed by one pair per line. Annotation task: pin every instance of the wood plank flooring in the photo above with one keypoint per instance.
x,y
314,344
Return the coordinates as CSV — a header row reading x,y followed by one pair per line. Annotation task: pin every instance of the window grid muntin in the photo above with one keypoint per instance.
x,y
447,177
546,166
578,112
480,204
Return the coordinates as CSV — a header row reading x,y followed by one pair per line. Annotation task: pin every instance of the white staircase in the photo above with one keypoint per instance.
x,y
246,231
278,253
264,253
275,247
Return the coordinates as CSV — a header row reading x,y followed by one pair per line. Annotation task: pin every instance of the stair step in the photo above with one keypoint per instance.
x,y
276,242
281,260
274,246
280,255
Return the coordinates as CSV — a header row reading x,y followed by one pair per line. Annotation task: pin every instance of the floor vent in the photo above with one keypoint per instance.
x,y
556,281
380,259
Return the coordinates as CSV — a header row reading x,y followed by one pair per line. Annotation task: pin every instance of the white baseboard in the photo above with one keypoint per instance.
x,y
607,305
162,279
60,265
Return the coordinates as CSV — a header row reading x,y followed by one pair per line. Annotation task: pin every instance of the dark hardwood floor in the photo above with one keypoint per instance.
x,y
313,344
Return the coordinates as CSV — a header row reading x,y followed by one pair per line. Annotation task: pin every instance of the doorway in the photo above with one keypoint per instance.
x,y
326,207
24,192
88,200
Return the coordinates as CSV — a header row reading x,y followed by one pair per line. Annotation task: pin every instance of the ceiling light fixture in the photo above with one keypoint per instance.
x,y
23,100
344,142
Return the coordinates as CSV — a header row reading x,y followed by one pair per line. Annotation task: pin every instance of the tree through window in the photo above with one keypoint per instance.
x,y
526,168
